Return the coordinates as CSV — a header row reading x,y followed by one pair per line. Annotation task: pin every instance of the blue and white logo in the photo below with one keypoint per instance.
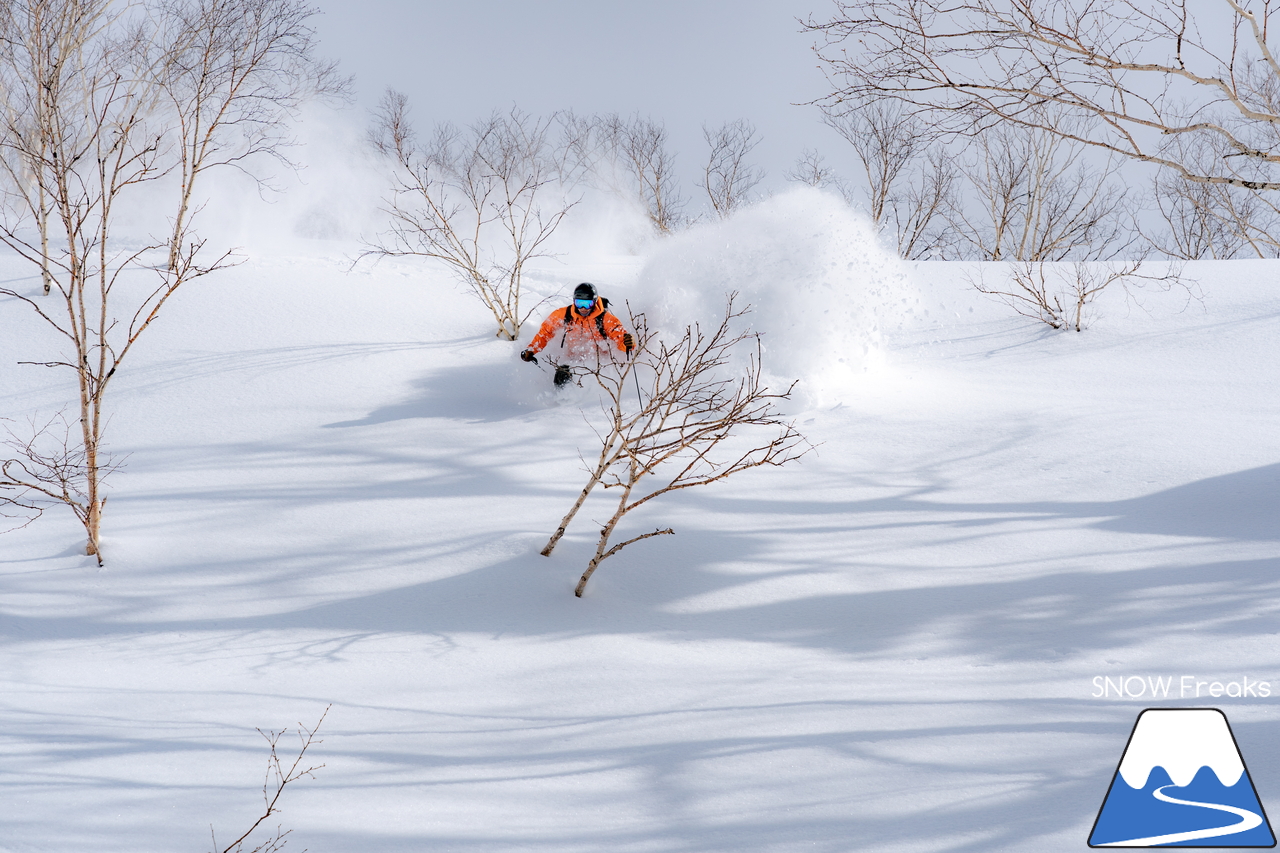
x,y
1181,783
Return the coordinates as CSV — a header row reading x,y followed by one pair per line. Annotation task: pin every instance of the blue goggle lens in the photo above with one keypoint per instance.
x,y
584,304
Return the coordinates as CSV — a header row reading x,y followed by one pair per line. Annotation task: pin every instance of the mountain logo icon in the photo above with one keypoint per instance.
x,y
1181,783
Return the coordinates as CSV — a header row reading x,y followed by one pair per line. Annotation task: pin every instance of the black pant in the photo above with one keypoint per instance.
x,y
563,374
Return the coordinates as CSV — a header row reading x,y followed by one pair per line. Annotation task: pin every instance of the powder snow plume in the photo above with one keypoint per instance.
x,y
822,286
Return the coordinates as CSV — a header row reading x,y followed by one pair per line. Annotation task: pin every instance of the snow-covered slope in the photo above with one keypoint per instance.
x,y
337,485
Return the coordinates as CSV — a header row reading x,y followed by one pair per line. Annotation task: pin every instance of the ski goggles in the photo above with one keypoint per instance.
x,y
584,304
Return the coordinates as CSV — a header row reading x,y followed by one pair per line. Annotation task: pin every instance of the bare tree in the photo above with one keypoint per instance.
x,y
91,106
1059,294
727,177
1038,201
633,152
1122,77
484,200
886,139
904,196
30,83
920,216
577,151
236,64
277,779
811,169
685,428
1201,220
1211,220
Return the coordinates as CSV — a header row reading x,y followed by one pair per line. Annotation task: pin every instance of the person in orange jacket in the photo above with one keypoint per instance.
x,y
581,327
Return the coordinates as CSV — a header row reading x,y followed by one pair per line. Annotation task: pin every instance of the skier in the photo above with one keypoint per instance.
x,y
581,326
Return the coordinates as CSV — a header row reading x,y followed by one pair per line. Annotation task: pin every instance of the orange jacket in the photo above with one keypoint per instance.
x,y
580,334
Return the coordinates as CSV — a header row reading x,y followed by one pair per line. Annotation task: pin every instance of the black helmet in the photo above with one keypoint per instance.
x,y
584,291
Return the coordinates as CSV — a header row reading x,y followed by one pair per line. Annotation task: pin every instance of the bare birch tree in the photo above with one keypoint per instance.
x,y
1212,220
1036,200
30,78
1121,77
727,177
686,427
1059,294
232,65
906,197
920,215
812,170
631,156
887,140
484,200
92,106
1194,225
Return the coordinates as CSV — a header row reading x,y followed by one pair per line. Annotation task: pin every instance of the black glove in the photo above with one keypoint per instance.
x,y
628,342
528,355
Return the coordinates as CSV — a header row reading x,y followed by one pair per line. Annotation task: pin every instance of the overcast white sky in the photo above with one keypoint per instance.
x,y
686,62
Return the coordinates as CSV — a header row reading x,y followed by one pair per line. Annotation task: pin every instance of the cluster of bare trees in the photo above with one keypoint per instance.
x,y
103,99
630,156
1004,194
676,415
1190,90
486,199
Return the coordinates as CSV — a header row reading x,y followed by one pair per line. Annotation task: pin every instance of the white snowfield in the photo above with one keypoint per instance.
x,y
1181,742
337,484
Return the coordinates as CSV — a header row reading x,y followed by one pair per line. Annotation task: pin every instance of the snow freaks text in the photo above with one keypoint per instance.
x,y
1179,687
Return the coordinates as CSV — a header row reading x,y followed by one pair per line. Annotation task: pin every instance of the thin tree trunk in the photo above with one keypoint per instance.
x,y
601,554
46,278
175,242
88,434
605,533
564,522
607,458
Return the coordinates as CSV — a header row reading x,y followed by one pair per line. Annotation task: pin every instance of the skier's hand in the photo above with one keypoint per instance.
x,y
628,342
528,355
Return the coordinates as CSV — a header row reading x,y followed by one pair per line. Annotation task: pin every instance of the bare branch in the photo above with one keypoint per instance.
x,y
689,423
484,201
1059,294
1120,77
727,177
273,786
99,99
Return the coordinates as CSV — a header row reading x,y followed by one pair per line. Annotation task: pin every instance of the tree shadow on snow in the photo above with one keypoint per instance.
x,y
476,393
692,586
697,582
1243,505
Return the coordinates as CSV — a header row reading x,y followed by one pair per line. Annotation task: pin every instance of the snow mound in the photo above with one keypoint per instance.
x,y
821,284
